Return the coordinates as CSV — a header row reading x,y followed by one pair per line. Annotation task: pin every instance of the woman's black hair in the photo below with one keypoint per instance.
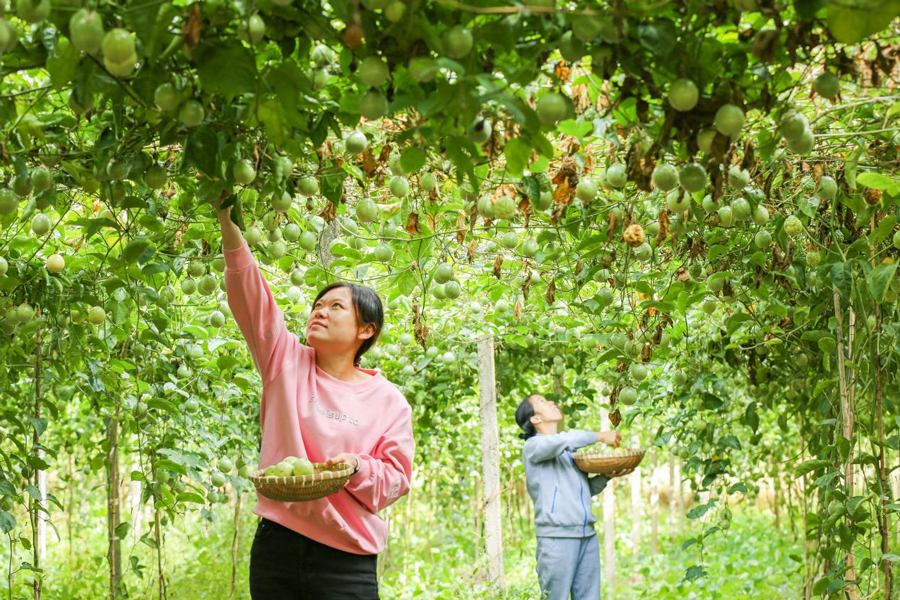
x,y
523,418
368,309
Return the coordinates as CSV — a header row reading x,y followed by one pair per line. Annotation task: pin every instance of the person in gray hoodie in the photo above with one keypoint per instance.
x,y
568,552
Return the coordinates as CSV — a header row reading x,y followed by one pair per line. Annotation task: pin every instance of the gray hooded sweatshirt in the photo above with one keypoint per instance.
x,y
561,493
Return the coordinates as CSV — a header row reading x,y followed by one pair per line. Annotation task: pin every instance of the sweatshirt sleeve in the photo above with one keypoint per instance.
x,y
385,472
597,484
258,317
542,448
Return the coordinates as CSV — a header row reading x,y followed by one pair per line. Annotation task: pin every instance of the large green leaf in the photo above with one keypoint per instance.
x,y
412,159
842,279
62,65
227,68
517,153
851,22
877,181
201,150
880,279
7,522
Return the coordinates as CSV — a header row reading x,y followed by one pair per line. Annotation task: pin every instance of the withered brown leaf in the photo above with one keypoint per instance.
x,y
460,228
663,227
412,224
190,31
615,417
368,162
329,212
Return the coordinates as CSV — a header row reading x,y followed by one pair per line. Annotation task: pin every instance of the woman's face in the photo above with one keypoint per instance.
x,y
332,325
545,410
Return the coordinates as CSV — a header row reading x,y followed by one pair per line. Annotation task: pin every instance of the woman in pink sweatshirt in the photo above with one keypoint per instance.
x,y
319,404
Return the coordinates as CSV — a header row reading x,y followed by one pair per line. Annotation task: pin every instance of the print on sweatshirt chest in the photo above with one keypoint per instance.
x,y
341,417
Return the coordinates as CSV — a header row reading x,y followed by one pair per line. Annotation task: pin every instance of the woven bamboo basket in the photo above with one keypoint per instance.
x,y
302,488
605,462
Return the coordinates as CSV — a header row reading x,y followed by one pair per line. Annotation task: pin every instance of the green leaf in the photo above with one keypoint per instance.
x,y
837,584
851,166
532,186
735,320
272,116
288,82
575,129
122,530
807,9
332,186
740,486
826,479
827,344
730,441
842,279
226,68
751,417
699,511
517,153
7,522
150,20
821,585
876,181
883,229
880,279
462,152
853,22
412,159
658,37
226,362
201,150
62,65
717,251
190,497
694,572
810,465
165,463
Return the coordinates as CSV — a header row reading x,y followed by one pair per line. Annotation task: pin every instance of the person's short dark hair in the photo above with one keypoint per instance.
x,y
368,308
523,418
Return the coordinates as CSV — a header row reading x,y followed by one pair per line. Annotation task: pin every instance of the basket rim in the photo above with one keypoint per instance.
x,y
337,471
617,453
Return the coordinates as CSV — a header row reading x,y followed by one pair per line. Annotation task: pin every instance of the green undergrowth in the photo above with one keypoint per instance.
x,y
752,560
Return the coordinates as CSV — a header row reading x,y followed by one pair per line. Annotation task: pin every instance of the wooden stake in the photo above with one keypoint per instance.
x,y
680,484
884,490
609,520
234,544
846,393
636,509
114,555
159,561
654,507
40,476
671,498
490,463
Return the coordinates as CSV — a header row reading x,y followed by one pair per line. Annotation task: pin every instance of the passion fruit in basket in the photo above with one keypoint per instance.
x,y
605,462
299,480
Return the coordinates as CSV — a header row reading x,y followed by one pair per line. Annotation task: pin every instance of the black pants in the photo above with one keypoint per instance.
x,y
285,565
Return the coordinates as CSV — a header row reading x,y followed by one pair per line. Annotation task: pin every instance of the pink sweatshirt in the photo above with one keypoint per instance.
x,y
308,413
